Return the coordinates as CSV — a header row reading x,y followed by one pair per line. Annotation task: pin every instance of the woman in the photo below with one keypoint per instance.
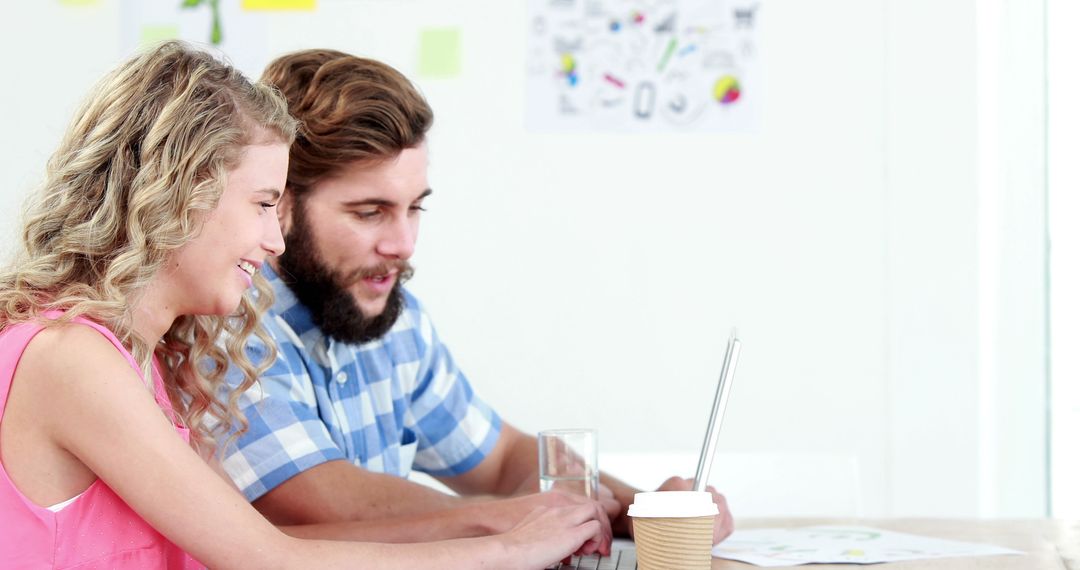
x,y
158,210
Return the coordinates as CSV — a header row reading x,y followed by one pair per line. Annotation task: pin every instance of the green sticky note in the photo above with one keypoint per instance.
x,y
440,52
153,35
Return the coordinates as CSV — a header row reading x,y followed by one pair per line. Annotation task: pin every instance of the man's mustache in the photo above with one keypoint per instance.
x,y
402,267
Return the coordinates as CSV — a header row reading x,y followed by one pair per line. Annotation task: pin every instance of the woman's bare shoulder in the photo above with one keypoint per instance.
x,y
71,351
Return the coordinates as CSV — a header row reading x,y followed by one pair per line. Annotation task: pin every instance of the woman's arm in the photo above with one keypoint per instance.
x,y
106,418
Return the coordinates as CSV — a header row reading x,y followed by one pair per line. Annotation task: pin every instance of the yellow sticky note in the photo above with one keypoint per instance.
x,y
153,35
278,4
440,52
80,2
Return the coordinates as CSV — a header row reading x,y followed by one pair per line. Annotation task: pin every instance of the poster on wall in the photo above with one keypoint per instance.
x,y
643,65
232,29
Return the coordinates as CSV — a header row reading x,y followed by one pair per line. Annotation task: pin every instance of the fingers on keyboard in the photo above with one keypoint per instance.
x,y
619,560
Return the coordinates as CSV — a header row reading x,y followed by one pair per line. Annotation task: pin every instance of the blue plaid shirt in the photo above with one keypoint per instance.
x,y
390,405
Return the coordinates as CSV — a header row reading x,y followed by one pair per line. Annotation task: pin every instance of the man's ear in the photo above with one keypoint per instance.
x,y
285,210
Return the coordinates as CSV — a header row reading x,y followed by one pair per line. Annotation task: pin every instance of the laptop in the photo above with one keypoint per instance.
x,y
623,556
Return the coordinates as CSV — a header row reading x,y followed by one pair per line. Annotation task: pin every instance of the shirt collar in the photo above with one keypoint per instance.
x,y
287,305
298,317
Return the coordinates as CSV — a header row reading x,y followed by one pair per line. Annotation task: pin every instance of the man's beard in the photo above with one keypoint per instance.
x,y
325,292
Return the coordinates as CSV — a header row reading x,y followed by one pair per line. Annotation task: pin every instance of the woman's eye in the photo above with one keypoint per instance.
x,y
266,205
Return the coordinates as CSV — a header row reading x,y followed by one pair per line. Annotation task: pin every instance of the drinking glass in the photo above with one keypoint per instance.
x,y
568,461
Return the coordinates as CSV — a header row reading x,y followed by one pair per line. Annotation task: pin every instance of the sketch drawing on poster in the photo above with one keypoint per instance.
x,y
643,65
242,39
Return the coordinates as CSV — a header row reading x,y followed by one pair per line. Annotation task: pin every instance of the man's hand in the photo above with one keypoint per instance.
x,y
605,496
505,514
607,500
724,524
547,534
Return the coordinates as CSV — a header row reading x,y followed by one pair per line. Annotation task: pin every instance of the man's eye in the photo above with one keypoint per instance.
x,y
366,214
266,205
417,208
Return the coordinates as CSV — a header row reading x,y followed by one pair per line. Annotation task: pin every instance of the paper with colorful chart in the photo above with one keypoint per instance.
x,y
841,544
643,65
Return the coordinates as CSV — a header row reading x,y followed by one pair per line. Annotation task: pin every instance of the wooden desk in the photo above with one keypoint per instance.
x,y
1049,544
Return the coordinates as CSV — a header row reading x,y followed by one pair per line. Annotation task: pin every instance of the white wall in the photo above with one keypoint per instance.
x,y
966,251
51,56
591,279
1064,178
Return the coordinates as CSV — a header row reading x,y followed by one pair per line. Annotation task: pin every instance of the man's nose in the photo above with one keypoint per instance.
x,y
398,239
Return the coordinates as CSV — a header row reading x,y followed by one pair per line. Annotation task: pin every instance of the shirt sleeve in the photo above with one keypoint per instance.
x,y
455,429
285,435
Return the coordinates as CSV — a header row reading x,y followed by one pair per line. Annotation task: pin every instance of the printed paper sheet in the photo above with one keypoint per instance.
x,y
841,544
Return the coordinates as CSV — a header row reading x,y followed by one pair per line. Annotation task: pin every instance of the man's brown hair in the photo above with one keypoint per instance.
x,y
351,109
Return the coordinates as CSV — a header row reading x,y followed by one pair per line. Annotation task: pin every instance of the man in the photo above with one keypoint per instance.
x,y
362,390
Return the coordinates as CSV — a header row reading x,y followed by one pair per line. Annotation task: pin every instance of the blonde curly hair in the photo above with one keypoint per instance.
x,y
138,171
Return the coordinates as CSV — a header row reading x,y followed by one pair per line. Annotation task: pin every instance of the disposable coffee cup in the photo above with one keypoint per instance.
x,y
673,530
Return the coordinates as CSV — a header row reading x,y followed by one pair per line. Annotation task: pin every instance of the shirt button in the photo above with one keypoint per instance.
x,y
342,377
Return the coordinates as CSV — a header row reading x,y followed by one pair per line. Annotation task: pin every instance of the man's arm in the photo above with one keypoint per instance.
x,y
338,500
292,471
510,468
340,491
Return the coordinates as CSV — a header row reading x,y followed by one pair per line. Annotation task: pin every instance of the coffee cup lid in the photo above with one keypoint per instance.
x,y
673,504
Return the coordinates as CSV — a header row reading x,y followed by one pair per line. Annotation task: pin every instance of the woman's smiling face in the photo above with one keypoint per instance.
x,y
209,274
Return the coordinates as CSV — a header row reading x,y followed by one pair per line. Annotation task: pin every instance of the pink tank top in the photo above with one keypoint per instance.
x,y
98,530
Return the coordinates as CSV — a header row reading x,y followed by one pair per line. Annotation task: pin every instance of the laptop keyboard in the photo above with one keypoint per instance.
x,y
619,560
